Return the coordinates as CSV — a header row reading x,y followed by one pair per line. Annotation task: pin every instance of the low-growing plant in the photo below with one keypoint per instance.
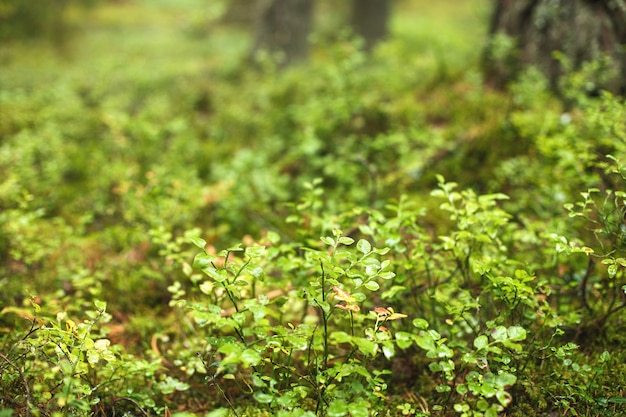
x,y
60,366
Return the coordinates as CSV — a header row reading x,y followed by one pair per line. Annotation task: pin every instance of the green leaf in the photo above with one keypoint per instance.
x,y
492,411
504,398
516,333
487,390
364,246
345,240
337,408
617,400
298,342
499,333
505,379
100,305
420,324
366,346
255,251
340,337
482,404
359,409
250,357
202,260
388,350
366,230
220,412
404,339
481,342
263,397
435,367
218,275
425,341
234,248
169,385
229,348
386,275
372,285
198,241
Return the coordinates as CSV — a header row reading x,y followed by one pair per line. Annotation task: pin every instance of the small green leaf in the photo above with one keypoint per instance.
x,y
386,275
198,241
229,348
505,379
499,333
366,346
250,357
516,333
420,324
345,240
255,251
364,246
617,400
435,367
337,408
202,260
481,342
482,404
220,412
388,350
366,230
263,397
340,337
492,411
487,390
358,409
425,341
504,398
404,339
372,285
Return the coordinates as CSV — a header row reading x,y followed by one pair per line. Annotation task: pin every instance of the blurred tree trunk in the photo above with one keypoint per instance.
x,y
369,20
529,32
283,27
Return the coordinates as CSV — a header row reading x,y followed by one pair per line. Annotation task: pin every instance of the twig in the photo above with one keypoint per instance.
x,y
130,400
583,285
23,378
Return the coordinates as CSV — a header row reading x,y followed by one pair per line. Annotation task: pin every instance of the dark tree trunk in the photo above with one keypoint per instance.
x,y
369,20
579,30
283,28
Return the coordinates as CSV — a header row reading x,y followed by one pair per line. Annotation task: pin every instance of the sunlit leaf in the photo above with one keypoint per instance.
x,y
481,342
364,246
197,241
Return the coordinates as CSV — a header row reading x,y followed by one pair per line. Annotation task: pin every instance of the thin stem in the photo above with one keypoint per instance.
x,y
24,382
223,394
324,319
583,285
351,323
319,409
135,403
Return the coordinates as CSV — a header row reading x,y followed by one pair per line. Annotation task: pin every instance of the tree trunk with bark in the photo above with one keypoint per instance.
x,y
369,20
283,27
556,35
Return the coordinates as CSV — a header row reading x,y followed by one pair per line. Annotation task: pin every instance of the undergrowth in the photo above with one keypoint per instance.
x,y
343,238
